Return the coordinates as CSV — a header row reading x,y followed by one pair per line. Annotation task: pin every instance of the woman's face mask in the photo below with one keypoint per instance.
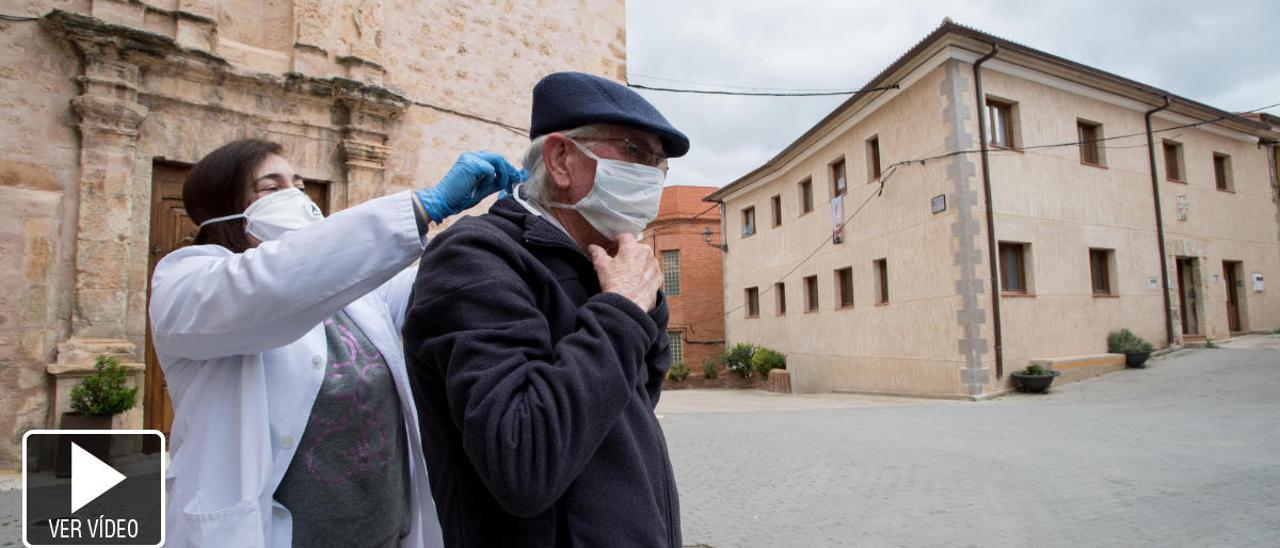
x,y
624,199
274,214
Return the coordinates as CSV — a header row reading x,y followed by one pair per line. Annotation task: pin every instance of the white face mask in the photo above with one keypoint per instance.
x,y
276,213
625,197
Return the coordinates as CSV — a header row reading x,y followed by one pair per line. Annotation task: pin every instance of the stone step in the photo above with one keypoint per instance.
x,y
1074,368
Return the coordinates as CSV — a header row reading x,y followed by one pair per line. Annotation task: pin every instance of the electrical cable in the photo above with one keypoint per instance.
x,y
523,132
16,18
753,88
761,94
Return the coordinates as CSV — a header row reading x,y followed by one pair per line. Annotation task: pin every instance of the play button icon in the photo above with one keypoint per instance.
x,y
90,477
93,488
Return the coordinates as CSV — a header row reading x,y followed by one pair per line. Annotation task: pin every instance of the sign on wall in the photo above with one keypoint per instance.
x,y
1257,283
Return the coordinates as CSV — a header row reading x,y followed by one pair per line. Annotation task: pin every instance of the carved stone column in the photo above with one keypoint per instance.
x,y
108,116
370,111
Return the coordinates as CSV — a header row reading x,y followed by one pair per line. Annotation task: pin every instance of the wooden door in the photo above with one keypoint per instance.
x,y
1231,279
1187,296
171,229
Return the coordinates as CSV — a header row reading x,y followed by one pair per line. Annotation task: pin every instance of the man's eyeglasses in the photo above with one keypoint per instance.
x,y
635,151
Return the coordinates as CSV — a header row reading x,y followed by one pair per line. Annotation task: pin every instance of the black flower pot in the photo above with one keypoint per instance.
x,y
1136,359
1038,384
98,446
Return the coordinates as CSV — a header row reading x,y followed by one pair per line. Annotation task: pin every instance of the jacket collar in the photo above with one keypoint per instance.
x,y
534,229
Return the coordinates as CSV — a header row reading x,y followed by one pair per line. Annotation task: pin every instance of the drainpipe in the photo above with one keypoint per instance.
x,y
1155,194
991,218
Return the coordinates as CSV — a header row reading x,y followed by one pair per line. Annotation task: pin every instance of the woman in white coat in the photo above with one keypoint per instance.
x,y
279,337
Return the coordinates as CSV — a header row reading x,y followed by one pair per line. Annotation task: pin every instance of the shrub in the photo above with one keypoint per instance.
x,y
1208,343
738,359
1125,341
104,393
709,371
678,372
1035,370
767,359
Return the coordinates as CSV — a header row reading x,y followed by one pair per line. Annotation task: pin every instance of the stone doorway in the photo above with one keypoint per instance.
x,y
172,229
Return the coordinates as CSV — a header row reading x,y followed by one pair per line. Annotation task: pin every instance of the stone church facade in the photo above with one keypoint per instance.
x,y
107,103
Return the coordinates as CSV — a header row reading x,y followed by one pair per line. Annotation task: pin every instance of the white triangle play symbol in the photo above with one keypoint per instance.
x,y
90,477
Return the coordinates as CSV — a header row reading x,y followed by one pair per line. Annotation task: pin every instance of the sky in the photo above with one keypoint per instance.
x,y
1222,53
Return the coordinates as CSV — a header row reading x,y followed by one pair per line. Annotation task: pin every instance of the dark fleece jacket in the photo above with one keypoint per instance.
x,y
536,392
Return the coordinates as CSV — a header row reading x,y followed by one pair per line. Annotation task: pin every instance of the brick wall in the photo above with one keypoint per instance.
x,y
697,312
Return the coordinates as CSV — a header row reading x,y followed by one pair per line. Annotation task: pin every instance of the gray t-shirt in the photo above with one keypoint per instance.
x,y
348,483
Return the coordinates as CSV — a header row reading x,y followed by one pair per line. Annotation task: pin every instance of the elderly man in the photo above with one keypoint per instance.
x,y
536,338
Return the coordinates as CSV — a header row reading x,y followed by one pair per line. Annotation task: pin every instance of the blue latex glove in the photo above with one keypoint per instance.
x,y
474,176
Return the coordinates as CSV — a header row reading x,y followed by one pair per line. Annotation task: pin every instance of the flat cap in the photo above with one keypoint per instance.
x,y
565,100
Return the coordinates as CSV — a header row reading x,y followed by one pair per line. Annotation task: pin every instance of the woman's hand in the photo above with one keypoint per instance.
x,y
474,176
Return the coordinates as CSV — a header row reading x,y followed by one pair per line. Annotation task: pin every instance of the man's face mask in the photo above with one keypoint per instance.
x,y
276,213
624,199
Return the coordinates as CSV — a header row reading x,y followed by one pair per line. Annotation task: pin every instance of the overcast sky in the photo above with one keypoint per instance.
x,y
1222,53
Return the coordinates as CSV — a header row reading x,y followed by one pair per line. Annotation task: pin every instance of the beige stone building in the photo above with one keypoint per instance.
x,y
1091,232
106,104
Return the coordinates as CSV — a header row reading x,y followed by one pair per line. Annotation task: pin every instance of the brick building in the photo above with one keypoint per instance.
x,y
107,103
691,269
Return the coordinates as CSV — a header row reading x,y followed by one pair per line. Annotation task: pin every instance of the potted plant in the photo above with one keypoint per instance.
x,y
98,398
1136,350
738,359
1035,379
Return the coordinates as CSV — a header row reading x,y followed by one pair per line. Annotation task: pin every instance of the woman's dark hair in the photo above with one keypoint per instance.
x,y
220,184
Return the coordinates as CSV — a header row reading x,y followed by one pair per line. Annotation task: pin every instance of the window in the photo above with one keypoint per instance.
x,y
671,272
810,293
882,281
677,346
748,221
1089,135
1013,268
780,296
838,182
1100,267
1222,172
844,283
1173,161
873,158
806,196
776,205
753,302
1000,123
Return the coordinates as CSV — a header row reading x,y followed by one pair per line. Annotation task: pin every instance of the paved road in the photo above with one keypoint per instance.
x,y
1184,453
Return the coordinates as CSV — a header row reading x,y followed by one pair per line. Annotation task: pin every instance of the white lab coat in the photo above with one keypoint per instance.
x,y
242,346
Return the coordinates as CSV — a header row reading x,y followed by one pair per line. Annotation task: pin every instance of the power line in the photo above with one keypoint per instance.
x,y
730,86
523,132
762,94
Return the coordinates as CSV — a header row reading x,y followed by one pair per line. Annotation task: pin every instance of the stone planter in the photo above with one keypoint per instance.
x,y
1037,384
1136,359
99,446
779,381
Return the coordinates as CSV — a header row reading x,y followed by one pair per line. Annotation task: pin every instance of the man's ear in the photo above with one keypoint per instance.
x,y
555,157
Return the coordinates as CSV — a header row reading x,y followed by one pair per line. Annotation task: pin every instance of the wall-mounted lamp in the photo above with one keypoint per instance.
x,y
706,238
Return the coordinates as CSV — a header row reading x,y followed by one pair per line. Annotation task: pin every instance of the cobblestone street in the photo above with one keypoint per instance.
x,y
1183,453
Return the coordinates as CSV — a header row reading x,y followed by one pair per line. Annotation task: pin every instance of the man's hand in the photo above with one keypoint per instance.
x,y
632,272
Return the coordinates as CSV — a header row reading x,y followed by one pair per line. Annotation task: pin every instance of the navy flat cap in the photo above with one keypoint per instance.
x,y
565,100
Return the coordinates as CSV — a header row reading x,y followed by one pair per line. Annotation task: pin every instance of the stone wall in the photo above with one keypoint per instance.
x,y
95,92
